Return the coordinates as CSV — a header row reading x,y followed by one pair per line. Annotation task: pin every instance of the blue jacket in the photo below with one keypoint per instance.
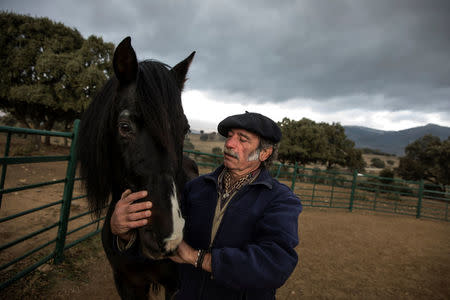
x,y
253,251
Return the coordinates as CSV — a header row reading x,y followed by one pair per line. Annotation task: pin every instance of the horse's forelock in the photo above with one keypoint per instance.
x,y
161,108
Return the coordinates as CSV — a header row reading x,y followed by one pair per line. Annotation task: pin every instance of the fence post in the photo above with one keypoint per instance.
x,y
294,177
313,193
419,201
67,197
446,211
332,191
278,171
352,194
5,165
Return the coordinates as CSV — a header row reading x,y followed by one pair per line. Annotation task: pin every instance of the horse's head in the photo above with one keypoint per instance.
x,y
146,126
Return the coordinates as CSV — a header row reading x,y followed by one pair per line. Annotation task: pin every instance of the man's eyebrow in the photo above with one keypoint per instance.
x,y
244,135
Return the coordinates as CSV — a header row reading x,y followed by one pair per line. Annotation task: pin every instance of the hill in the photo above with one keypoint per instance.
x,y
393,142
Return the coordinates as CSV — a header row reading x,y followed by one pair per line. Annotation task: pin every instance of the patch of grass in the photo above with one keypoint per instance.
x,y
24,149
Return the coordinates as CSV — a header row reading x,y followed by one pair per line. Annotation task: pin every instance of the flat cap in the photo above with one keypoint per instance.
x,y
253,122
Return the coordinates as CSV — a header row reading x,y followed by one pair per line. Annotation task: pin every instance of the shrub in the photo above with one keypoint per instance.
x,y
24,150
188,145
217,150
388,175
377,163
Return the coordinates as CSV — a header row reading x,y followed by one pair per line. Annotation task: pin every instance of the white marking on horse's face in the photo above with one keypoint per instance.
x,y
172,242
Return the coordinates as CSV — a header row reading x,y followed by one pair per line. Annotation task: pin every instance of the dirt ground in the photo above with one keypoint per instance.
x,y
342,255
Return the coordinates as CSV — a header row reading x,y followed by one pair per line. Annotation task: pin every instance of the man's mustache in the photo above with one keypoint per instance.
x,y
231,153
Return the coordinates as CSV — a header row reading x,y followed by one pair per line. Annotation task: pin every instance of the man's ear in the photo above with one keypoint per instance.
x,y
265,154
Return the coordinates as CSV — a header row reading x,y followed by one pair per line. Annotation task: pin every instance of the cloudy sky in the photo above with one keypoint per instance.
x,y
383,64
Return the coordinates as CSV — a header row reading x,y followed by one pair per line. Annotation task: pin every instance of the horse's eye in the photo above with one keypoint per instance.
x,y
124,128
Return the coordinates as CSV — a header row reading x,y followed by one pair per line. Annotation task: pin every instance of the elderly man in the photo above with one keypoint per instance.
x,y
241,224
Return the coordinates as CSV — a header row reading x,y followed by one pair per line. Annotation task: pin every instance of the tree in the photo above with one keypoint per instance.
x,y
305,142
355,160
340,150
388,176
49,72
377,163
427,158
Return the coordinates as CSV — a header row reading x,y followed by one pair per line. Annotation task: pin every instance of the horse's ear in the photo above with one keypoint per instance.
x,y
181,69
125,62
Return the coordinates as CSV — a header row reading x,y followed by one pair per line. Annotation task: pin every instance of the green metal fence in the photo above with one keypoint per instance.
x,y
15,264
333,189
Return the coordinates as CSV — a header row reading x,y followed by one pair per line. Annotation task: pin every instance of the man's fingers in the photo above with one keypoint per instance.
x,y
140,206
136,224
130,197
140,215
125,194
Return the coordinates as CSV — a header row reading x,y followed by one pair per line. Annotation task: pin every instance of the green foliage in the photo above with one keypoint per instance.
x,y
217,150
306,142
188,145
302,141
390,162
427,158
377,163
8,120
388,176
24,150
203,137
49,71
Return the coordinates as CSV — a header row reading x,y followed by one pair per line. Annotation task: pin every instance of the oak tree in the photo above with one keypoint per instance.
x,y
49,71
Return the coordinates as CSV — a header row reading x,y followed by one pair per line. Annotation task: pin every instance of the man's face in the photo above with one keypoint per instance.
x,y
239,146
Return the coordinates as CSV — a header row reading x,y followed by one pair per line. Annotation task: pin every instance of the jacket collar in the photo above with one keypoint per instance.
x,y
264,177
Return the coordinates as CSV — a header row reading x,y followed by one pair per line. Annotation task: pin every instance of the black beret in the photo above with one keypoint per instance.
x,y
253,122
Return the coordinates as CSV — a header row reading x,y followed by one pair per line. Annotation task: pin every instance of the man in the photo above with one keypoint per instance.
x,y
241,224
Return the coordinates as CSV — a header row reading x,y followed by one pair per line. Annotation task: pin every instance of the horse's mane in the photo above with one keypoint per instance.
x,y
158,103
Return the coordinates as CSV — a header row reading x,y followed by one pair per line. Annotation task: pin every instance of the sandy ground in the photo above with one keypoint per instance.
x,y
342,255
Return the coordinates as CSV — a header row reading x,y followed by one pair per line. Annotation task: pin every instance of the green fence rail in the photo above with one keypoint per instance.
x,y
335,189
315,187
54,244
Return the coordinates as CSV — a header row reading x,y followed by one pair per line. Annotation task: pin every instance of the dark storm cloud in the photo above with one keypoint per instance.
x,y
382,54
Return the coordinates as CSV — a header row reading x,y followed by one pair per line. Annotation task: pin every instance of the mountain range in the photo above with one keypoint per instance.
x,y
392,142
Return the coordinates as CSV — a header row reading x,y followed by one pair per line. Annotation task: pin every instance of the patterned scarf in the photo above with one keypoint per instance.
x,y
228,188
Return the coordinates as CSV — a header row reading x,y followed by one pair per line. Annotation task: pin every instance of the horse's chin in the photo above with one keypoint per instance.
x,y
152,249
156,255
152,255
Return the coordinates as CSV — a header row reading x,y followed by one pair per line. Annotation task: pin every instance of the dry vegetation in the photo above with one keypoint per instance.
x,y
205,146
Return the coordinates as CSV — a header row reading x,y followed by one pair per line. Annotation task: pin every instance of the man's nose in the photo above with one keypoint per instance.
x,y
230,142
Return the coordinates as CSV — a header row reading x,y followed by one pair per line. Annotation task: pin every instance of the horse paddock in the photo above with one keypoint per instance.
x,y
343,255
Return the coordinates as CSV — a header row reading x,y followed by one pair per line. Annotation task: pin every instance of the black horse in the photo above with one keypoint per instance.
x,y
131,136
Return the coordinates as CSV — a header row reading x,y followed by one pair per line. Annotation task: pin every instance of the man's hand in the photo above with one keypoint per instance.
x,y
127,216
188,255
185,254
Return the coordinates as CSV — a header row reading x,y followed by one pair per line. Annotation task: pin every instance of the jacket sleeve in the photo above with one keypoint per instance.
x,y
269,260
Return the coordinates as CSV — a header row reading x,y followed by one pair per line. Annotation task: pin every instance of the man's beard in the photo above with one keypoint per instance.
x,y
254,156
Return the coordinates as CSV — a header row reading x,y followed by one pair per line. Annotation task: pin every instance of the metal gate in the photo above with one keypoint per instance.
x,y
53,237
